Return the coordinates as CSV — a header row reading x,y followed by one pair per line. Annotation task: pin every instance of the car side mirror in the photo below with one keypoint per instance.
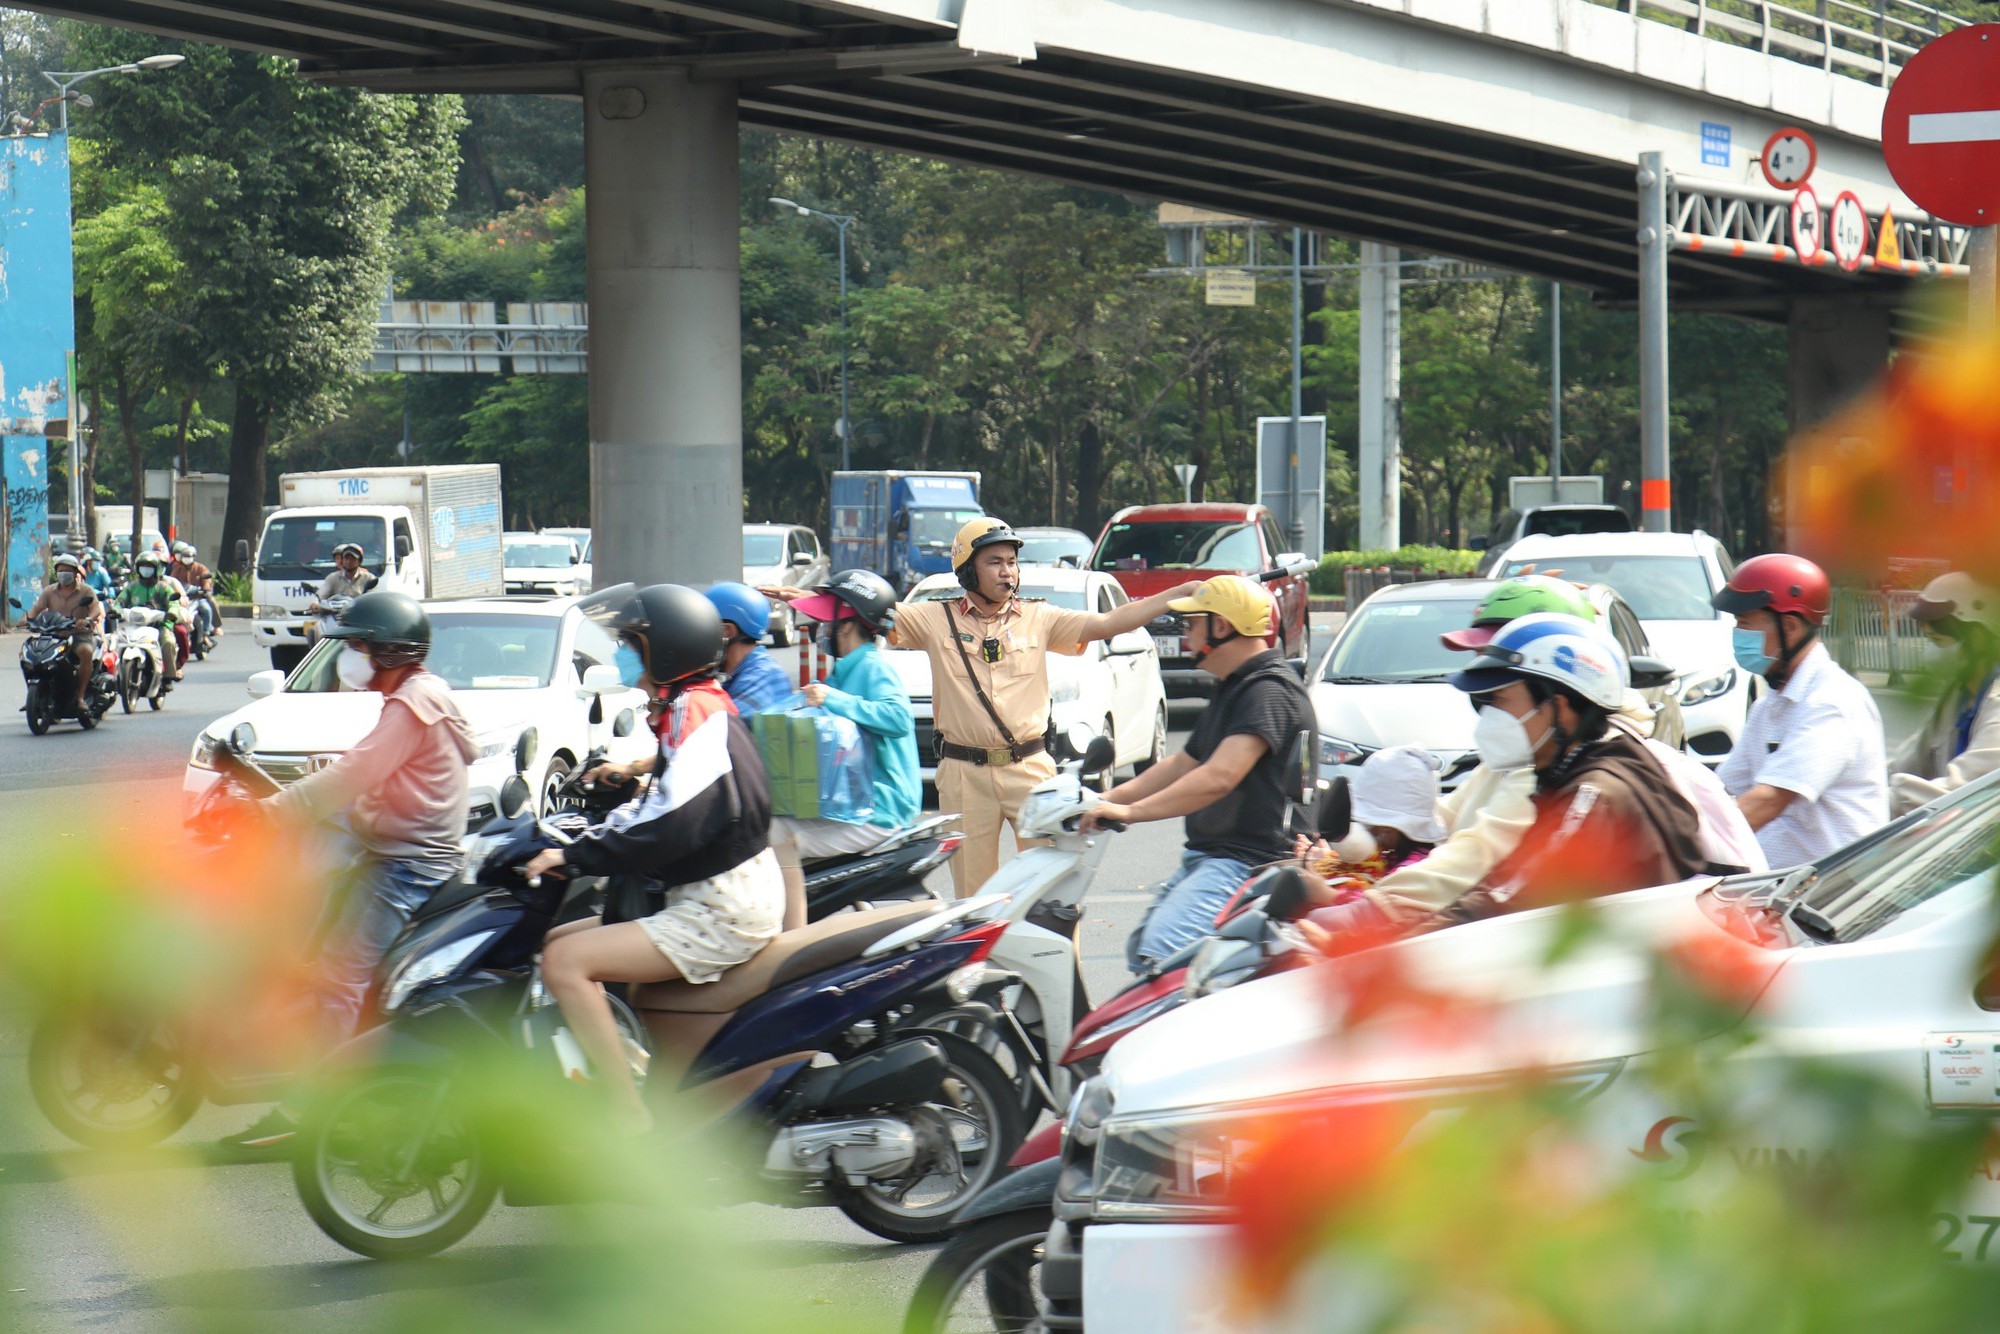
x,y
600,679
1650,673
513,796
1129,641
800,560
242,552
402,546
1477,544
625,723
266,683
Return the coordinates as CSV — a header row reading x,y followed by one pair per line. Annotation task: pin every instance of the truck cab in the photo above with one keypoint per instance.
x,y
295,553
900,524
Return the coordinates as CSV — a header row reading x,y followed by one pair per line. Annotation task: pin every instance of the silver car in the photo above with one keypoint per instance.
x,y
783,555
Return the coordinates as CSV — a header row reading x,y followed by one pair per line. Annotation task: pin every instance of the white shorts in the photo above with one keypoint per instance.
x,y
805,840
710,926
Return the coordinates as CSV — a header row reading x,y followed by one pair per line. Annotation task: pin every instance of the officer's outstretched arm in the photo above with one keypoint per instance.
x,y
1134,615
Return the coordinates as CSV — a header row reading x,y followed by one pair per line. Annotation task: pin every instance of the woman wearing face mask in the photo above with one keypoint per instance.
x,y
402,791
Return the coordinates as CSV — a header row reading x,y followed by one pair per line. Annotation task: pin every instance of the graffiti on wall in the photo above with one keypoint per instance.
x,y
37,331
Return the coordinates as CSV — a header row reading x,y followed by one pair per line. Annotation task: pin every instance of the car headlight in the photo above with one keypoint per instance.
x,y
1333,750
205,747
1710,686
494,743
424,969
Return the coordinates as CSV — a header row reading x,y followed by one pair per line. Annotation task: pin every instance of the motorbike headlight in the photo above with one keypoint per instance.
x,y
1333,750
424,969
205,747
1709,687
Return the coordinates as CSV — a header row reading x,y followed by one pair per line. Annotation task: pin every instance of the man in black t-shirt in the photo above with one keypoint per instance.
x,y
1237,778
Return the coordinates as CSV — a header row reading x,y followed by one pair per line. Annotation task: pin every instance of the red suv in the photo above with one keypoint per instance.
x,y
1151,548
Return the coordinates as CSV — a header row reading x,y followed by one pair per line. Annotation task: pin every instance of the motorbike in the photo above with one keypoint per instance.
x,y
142,642
891,871
894,1126
50,672
205,627
326,615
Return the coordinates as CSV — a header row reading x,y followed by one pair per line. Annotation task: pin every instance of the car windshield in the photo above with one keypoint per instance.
x,y
1659,588
936,528
302,544
1048,550
763,549
148,539
538,555
1216,545
470,650
580,536
1398,641
1873,881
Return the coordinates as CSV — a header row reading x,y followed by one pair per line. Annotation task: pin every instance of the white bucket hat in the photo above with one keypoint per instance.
x,y
1397,788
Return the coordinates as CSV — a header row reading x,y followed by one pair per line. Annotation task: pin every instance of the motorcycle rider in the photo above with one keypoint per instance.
x,y
200,585
71,596
699,828
1960,741
348,579
855,608
96,575
149,588
1237,779
750,674
403,792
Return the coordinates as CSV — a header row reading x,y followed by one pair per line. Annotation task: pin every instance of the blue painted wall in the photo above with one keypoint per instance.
x,y
37,331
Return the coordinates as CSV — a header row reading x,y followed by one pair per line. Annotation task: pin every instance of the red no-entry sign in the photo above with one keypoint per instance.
x,y
1941,127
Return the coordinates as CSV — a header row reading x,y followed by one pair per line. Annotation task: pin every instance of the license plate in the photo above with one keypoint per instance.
x,y
1169,646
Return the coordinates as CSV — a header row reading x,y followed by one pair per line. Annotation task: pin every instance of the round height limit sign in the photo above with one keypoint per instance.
x,y
1941,127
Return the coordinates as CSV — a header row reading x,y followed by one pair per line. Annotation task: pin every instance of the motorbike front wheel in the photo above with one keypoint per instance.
x,y
41,708
111,1083
985,1278
970,1129
128,686
390,1170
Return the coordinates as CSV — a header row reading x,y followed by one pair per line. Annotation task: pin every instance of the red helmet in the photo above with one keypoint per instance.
x,y
1779,583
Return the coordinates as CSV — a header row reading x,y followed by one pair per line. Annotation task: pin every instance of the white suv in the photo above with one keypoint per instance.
x,y
1668,579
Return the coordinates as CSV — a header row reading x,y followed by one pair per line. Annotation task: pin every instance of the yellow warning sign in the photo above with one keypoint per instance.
x,y
1888,247
1232,287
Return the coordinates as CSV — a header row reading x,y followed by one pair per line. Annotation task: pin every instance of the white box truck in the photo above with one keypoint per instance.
x,y
433,533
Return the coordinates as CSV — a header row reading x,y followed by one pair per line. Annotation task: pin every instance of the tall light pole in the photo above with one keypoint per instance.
x,y
65,80
841,221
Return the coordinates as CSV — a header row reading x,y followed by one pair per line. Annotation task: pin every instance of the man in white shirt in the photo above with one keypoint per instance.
x,y
1808,769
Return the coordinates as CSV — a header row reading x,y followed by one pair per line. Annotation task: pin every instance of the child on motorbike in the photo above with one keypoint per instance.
x,y
1395,824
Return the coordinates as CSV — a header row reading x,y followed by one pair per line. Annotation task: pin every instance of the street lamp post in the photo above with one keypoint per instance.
x,y
65,80
841,221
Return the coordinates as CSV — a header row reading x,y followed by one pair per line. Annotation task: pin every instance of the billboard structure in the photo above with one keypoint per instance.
x,y
37,334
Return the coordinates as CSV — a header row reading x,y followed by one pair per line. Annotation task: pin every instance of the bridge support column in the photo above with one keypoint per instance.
x,y
666,400
1379,471
1655,466
1839,346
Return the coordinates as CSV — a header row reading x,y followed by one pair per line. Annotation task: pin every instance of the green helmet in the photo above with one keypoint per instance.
x,y
1523,595
392,624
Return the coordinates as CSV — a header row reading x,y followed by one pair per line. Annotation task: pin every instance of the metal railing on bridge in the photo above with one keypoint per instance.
x,y
1872,631
1865,39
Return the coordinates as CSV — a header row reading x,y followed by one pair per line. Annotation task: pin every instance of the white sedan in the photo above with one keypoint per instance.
x,y
1113,687
1873,963
511,666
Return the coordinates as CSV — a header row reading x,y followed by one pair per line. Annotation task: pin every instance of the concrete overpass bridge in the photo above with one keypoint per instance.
x,y
1502,132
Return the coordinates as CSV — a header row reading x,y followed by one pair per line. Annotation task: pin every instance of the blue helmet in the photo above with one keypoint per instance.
x,y
744,607
1563,649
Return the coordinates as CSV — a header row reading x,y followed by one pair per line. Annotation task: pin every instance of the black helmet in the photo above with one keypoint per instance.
x,y
677,630
869,594
393,625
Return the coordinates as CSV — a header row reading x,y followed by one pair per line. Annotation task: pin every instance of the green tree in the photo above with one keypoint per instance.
x,y
281,196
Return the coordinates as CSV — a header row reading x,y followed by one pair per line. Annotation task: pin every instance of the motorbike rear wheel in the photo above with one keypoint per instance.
x,y
977,1113
41,708
111,1083
986,1277
352,1179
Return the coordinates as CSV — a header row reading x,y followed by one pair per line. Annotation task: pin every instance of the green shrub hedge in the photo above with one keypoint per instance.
x,y
1327,580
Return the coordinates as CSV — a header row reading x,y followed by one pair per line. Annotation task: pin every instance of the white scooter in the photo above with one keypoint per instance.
x,y
141,667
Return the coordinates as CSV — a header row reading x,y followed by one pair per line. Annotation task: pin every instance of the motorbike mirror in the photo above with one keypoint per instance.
x,y
1098,755
596,711
625,723
1336,810
1287,900
243,738
242,551
513,796
15,603
526,747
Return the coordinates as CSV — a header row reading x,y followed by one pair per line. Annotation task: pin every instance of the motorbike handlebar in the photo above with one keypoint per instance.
x,y
1114,826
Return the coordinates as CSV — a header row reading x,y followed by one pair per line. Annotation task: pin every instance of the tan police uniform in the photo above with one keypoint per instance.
x,y
985,794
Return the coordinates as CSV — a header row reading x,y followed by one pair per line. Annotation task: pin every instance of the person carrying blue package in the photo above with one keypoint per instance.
x,y
855,608
753,678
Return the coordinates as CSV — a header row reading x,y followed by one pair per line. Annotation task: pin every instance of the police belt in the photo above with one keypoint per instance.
x,y
995,756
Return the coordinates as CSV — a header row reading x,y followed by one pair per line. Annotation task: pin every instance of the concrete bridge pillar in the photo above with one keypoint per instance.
x,y
666,400
1379,462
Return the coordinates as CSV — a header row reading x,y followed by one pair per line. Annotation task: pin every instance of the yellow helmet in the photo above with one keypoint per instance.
x,y
978,534
1241,602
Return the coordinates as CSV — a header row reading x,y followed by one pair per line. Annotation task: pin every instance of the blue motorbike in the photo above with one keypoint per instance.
x,y
896,1126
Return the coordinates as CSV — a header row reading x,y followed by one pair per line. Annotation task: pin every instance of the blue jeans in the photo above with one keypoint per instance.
x,y
1184,908
384,897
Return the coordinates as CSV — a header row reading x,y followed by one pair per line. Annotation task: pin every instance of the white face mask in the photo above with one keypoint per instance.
x,y
1502,740
355,668
1358,845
